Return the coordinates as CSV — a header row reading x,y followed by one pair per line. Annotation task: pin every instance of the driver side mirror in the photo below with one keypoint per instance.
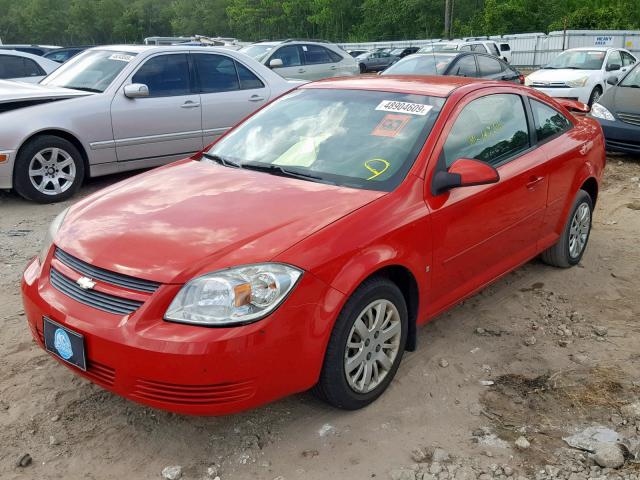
x,y
464,172
276,63
612,80
136,90
613,67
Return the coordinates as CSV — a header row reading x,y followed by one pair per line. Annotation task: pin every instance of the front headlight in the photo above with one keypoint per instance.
x,y
527,81
578,82
51,235
599,111
235,296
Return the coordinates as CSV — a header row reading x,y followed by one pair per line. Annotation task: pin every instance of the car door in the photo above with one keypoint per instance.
x,y
480,232
167,124
292,62
229,91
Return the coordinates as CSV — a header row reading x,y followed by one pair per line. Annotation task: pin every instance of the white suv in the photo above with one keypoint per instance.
x,y
302,59
581,73
481,46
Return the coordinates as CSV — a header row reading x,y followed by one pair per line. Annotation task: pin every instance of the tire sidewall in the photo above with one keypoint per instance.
x,y
592,98
365,295
582,197
22,182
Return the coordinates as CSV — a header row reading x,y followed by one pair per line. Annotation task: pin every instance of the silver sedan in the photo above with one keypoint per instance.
x,y
118,108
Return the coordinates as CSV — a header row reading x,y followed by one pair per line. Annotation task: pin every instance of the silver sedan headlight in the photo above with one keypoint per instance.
x,y
234,296
600,111
51,235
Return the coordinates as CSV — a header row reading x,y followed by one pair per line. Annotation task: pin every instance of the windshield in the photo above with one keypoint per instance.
x,y
92,71
420,65
439,47
578,60
397,51
354,138
259,52
632,79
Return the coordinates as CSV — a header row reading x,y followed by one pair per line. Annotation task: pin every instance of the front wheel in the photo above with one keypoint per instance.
x,y
595,96
363,68
573,241
366,346
48,169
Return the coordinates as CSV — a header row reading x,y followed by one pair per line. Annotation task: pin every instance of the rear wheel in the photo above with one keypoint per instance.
x,y
366,346
363,68
573,241
48,169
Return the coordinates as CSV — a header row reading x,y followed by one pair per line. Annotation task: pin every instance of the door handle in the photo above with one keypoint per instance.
x,y
301,70
533,181
333,68
256,98
190,104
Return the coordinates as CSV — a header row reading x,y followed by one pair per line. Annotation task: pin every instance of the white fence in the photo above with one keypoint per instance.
x,y
536,49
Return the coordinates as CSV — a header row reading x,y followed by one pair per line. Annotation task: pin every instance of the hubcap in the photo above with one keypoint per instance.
x,y
52,171
372,346
579,230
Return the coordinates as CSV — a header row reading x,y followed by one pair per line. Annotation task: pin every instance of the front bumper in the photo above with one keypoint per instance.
x,y
581,94
190,369
620,136
6,169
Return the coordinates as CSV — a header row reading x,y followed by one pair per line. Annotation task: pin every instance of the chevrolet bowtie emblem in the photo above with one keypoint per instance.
x,y
85,283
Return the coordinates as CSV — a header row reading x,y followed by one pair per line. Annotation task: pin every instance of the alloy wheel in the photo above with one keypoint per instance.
x,y
579,230
372,346
52,171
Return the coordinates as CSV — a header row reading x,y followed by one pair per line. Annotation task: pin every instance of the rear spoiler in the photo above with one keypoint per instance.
x,y
573,105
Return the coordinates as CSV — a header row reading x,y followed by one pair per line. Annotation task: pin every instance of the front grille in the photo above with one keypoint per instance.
x,y
631,118
193,394
99,300
625,146
106,276
549,84
100,374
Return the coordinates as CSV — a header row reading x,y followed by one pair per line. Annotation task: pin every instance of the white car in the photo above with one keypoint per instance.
x,y
123,107
24,67
481,46
581,73
306,60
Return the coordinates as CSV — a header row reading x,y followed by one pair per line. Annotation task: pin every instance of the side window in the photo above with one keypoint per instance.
x,y
492,129
627,59
216,73
549,121
465,47
165,75
31,68
335,57
505,47
494,49
488,66
313,55
12,66
478,47
248,80
290,56
614,59
465,67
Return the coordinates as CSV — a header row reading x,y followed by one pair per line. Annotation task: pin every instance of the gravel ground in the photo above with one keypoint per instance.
x,y
494,387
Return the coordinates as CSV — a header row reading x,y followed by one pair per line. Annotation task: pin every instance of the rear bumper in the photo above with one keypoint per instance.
x,y
620,136
189,369
6,169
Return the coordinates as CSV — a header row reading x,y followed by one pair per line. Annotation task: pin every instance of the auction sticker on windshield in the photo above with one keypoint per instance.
x,y
403,107
121,57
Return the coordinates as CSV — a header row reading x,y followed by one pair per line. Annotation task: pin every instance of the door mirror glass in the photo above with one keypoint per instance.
x,y
276,63
136,90
613,67
612,80
464,172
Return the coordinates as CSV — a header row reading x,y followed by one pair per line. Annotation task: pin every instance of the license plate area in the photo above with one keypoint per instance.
x,y
64,343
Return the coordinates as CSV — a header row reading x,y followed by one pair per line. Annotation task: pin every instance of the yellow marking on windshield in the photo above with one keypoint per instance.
x,y
376,171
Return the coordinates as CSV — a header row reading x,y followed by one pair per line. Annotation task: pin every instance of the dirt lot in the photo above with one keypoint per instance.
x,y
562,348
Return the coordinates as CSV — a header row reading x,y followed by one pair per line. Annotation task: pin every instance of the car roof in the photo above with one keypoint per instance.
x,y
157,48
435,86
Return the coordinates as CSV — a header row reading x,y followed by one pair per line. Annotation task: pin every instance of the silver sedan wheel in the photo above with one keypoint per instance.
x,y
579,230
52,171
372,346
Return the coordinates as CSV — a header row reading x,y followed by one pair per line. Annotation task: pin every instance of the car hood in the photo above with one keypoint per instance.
x,y
622,99
172,223
561,74
25,92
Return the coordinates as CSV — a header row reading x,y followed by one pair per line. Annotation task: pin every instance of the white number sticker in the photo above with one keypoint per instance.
x,y
121,57
404,107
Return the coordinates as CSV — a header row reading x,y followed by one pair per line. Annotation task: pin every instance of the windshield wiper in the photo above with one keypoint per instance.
x,y
85,89
630,86
221,160
278,170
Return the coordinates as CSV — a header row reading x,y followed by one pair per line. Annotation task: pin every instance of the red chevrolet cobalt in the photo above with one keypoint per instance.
x,y
304,247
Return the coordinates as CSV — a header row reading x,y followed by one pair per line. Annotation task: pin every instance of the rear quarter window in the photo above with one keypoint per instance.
x,y
548,121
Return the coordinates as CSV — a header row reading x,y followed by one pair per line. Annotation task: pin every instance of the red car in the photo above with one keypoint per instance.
x,y
304,247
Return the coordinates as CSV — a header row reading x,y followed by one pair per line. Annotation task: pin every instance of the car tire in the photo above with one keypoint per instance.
x,y
61,166
595,95
572,244
374,362
363,68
